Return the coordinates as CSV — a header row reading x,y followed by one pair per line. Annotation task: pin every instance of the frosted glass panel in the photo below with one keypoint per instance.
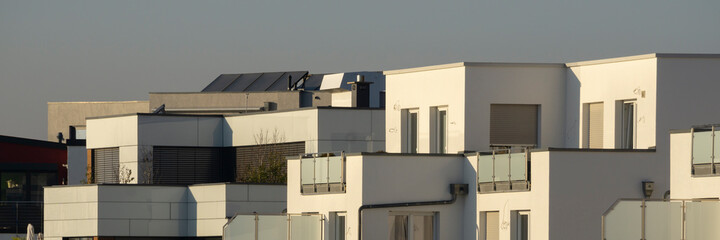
x,y
502,167
663,220
517,166
624,221
241,228
485,168
305,227
272,227
321,170
702,147
335,169
702,220
307,167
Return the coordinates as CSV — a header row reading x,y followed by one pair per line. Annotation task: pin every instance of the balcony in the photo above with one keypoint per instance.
x,y
322,173
705,144
288,226
16,215
658,219
504,170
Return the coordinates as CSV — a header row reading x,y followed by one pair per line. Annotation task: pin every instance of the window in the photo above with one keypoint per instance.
x,y
439,124
628,130
491,221
78,132
594,125
412,226
521,225
339,225
513,124
410,130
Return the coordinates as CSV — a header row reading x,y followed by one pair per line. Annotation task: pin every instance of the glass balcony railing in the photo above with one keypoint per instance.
x,y
705,145
285,226
16,215
662,220
504,170
322,173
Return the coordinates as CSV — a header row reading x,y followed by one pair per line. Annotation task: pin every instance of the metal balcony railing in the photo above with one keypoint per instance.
x,y
279,226
662,219
705,145
322,173
16,215
504,170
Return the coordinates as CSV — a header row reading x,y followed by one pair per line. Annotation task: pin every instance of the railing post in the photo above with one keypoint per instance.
x,y
692,154
257,219
17,218
327,172
712,151
314,174
342,170
682,225
527,158
642,220
509,153
493,168
477,171
289,227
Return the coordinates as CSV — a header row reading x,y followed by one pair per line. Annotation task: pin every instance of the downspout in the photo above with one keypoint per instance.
x,y
455,190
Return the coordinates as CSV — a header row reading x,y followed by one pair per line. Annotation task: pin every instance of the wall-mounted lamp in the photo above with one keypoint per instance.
x,y
648,187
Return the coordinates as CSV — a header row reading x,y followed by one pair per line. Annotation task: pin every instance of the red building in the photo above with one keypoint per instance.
x,y
26,166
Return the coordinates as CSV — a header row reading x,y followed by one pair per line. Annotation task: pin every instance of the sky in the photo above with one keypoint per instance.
x,y
97,50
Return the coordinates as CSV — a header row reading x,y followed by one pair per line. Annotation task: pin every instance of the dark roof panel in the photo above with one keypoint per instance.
x,y
221,82
242,82
264,81
313,82
282,84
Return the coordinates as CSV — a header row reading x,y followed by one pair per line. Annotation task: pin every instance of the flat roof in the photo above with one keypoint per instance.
x,y
99,102
470,64
234,115
643,56
32,142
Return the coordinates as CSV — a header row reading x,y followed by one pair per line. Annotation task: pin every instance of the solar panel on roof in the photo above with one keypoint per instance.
x,y
220,83
242,82
264,81
282,83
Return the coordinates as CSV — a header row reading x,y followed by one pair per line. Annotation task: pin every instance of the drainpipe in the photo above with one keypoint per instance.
x,y
455,190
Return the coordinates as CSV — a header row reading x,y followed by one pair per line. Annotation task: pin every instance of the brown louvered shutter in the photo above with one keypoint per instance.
x,y
512,124
595,125
107,165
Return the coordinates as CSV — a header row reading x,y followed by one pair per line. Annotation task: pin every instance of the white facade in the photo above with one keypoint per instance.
x,y
153,211
321,130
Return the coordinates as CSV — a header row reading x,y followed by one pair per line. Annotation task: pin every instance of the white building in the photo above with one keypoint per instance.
x,y
601,127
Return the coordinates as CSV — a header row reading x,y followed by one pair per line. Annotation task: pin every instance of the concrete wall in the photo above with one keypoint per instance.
x,y
62,115
682,184
583,185
541,84
285,100
351,130
422,90
610,83
153,211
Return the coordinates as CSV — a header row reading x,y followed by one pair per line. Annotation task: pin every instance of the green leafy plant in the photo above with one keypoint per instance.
x,y
270,164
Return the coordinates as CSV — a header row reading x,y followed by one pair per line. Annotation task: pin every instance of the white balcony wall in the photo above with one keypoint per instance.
x,y
423,88
611,82
539,84
153,211
191,131
291,126
351,130
112,132
682,183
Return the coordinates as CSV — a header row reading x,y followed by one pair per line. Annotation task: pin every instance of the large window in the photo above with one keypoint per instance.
x,y
439,125
513,124
593,126
410,130
628,129
24,185
412,226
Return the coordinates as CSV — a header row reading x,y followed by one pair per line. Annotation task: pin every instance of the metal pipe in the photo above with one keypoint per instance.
x,y
712,147
405,204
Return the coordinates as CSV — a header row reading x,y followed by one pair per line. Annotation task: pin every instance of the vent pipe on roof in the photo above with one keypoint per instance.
x,y
360,92
290,83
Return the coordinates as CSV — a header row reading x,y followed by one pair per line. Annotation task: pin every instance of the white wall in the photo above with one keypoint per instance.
x,y
609,83
351,130
583,185
541,84
422,90
153,210
682,184
112,132
292,126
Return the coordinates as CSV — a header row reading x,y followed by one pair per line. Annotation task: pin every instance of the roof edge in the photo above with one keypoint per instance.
x,y
470,64
641,57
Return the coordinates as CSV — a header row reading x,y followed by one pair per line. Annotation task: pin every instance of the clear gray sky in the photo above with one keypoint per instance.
x,y
121,50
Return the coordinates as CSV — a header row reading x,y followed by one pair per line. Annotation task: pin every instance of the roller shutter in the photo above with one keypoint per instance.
x,y
595,125
186,165
513,124
106,164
